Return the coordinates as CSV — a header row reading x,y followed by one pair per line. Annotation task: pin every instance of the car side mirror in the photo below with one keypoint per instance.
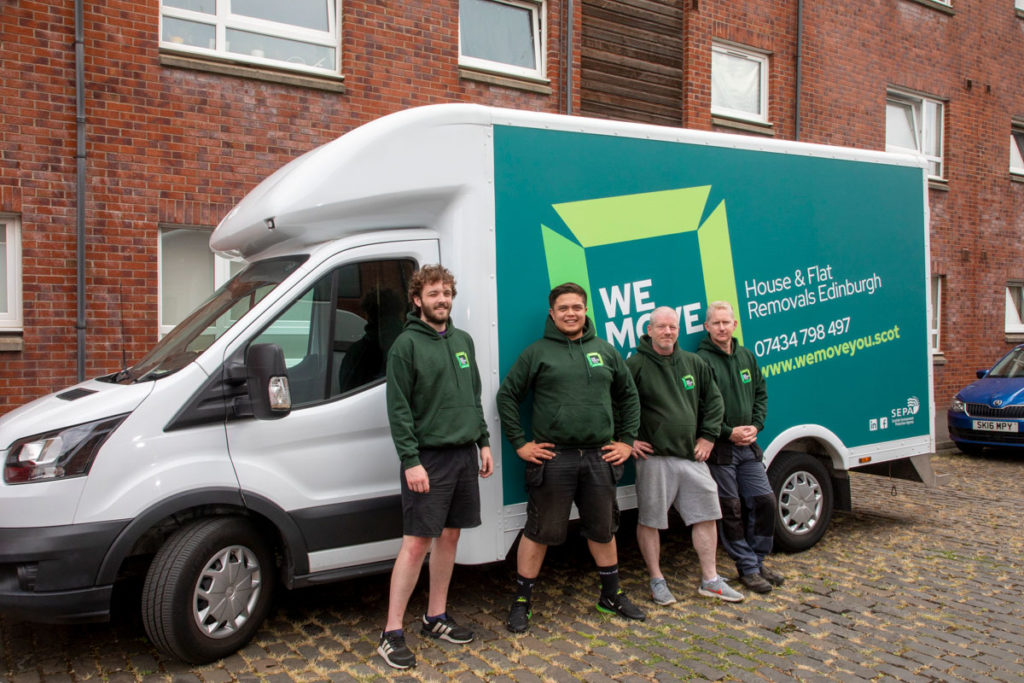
x,y
267,378
982,373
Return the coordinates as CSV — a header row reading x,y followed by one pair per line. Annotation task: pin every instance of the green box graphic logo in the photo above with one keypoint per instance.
x,y
634,217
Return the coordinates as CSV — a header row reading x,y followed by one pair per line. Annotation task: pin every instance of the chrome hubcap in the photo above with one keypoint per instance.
x,y
227,591
800,502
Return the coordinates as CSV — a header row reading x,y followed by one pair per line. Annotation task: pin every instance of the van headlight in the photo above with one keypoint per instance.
x,y
62,453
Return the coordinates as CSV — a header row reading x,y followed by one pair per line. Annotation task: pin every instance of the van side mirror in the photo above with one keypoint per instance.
x,y
982,373
267,378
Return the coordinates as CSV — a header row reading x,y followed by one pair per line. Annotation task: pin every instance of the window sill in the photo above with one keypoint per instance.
x,y
1020,13
1016,177
740,124
940,184
938,358
938,6
11,342
1015,337
229,68
538,86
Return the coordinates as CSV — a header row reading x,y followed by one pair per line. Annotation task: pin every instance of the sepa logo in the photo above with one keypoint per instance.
x,y
463,358
913,405
688,382
595,360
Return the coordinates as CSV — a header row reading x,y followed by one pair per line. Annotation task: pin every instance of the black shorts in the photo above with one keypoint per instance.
x,y
573,476
453,501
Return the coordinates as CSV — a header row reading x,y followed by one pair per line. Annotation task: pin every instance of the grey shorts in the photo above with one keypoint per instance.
x,y
664,481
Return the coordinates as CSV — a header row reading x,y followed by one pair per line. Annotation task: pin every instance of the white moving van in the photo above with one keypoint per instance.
x,y
250,448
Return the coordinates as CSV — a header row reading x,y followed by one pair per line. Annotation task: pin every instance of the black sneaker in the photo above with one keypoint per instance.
x,y
519,616
394,651
772,576
446,629
621,605
756,583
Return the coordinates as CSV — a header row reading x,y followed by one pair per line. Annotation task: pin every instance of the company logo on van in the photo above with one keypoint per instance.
x,y
638,218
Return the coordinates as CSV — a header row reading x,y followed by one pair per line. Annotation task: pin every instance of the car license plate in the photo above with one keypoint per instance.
x,y
995,426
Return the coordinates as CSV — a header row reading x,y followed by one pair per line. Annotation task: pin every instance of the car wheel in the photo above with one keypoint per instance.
x,y
208,589
803,492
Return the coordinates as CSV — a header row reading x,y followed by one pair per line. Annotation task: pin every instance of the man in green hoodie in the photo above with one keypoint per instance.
x,y
680,417
437,424
737,463
585,418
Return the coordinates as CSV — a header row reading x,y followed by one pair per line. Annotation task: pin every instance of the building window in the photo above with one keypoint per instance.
x,y
10,273
504,36
299,34
739,83
1017,148
914,124
189,273
936,321
1019,4
1015,307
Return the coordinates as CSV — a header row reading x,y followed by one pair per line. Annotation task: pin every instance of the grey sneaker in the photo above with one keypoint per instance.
x,y
718,588
660,592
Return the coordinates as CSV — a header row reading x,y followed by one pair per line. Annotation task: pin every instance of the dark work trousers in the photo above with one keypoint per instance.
x,y
748,509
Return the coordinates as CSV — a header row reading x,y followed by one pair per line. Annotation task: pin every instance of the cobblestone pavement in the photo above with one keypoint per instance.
x,y
913,585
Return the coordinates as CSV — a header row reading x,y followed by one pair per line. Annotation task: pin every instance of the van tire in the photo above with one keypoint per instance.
x,y
803,493
176,611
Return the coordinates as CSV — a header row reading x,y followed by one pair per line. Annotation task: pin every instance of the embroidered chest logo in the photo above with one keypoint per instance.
x,y
463,359
688,382
745,375
595,360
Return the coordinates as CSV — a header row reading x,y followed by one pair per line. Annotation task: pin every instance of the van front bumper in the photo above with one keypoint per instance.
x,y
48,574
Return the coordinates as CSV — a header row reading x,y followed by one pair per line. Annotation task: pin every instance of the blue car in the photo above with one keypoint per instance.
x,y
990,411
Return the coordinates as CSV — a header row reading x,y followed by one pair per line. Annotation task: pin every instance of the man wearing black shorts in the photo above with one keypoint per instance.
x,y
585,418
437,423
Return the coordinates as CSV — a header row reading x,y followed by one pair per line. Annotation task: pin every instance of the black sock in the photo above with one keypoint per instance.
x,y
524,587
609,580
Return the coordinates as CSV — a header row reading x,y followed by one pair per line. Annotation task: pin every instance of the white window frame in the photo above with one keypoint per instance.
x,y
1017,147
224,20
1015,309
922,133
12,319
761,59
935,324
538,20
1018,4
221,272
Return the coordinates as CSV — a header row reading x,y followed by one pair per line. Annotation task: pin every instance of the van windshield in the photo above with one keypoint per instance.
x,y
210,320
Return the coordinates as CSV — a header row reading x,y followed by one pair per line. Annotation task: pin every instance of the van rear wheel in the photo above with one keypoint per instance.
x,y
803,492
208,589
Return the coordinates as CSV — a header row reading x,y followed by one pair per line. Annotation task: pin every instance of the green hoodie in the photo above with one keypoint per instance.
x,y
679,400
741,383
433,391
583,395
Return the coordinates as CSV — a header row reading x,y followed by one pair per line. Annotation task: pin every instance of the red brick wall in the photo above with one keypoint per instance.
x,y
178,146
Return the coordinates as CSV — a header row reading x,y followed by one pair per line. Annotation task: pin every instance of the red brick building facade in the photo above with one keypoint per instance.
x,y
174,136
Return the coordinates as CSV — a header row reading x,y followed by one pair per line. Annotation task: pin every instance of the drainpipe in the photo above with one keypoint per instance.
x,y
80,182
799,64
569,22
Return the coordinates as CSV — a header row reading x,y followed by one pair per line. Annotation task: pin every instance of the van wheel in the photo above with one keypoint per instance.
x,y
208,589
803,491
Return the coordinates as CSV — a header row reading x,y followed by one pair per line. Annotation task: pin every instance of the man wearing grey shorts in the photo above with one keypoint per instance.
x,y
681,414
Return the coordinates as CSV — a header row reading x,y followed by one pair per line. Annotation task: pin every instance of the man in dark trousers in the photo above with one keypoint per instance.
x,y
585,418
737,463
437,423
